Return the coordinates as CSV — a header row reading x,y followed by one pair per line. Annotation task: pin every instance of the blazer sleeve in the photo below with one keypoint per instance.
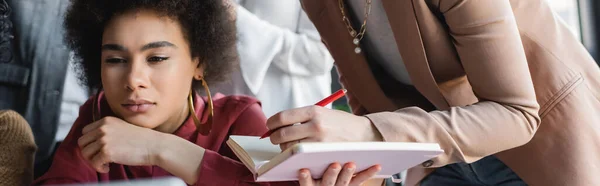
x,y
488,43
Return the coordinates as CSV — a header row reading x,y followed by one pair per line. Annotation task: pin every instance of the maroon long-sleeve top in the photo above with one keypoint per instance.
x,y
234,115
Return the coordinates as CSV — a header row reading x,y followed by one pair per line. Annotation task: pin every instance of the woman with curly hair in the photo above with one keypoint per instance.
x,y
147,58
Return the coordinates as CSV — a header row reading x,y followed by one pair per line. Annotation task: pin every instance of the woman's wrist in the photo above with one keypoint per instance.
x,y
160,149
178,156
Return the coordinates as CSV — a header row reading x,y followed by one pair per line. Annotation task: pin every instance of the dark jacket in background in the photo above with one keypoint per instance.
x,y
33,65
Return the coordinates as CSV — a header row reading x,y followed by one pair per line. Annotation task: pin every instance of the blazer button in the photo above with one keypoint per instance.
x,y
427,163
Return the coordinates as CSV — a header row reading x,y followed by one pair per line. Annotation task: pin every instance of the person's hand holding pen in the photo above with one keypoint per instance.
x,y
320,124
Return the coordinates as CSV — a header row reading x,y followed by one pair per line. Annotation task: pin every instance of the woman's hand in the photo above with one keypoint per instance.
x,y
319,125
335,175
112,140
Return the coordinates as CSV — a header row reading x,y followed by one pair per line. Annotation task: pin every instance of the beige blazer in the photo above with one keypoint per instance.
x,y
504,77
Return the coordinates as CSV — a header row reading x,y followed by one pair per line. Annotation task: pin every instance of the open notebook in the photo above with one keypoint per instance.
x,y
268,163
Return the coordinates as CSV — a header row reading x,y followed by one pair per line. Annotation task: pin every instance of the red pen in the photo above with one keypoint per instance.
x,y
336,95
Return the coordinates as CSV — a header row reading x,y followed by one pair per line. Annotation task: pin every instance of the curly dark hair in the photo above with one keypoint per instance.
x,y
207,26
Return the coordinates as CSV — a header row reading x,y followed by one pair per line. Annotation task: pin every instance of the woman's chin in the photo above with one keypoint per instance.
x,y
142,120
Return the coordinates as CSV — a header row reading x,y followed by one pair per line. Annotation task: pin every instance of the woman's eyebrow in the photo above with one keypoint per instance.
x,y
157,44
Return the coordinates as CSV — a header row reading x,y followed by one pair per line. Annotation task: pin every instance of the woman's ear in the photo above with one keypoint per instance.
x,y
199,72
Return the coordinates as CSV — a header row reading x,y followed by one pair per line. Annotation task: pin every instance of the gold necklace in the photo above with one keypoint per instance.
x,y
361,33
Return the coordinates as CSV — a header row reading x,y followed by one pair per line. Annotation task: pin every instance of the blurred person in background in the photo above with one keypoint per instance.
x,y
283,62
36,79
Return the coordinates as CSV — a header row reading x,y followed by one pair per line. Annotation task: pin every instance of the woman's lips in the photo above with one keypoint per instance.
x,y
138,108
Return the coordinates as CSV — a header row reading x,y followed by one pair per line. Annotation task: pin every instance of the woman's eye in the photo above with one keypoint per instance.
x,y
157,59
115,60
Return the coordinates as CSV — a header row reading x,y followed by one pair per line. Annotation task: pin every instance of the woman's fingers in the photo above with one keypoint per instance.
x,y
346,174
335,175
291,133
305,179
287,145
331,174
90,150
100,161
365,175
89,137
91,127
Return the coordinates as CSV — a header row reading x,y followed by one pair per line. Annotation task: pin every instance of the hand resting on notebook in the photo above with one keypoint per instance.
x,y
319,125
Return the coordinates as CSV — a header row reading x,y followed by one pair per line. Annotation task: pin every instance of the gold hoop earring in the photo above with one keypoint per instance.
x,y
192,109
203,127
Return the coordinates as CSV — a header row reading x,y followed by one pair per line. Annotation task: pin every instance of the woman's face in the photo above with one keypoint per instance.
x,y
147,69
